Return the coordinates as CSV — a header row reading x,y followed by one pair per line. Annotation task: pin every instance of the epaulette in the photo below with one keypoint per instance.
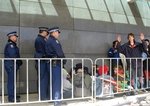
x,y
10,42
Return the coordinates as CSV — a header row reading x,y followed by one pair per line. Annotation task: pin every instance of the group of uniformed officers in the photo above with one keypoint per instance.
x,y
46,45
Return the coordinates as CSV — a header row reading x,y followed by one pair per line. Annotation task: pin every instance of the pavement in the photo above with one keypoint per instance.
x,y
141,99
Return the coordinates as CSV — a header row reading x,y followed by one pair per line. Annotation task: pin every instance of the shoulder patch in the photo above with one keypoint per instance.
x,y
57,41
12,46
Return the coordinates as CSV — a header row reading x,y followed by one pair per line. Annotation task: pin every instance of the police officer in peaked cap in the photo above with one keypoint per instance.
x,y
54,50
40,49
11,51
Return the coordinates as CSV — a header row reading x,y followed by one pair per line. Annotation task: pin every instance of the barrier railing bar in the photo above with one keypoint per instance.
x,y
62,75
3,81
27,80
82,79
39,88
72,69
50,63
15,71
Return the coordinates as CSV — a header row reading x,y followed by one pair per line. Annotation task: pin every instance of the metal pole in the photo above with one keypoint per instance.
x,y
15,79
2,81
27,78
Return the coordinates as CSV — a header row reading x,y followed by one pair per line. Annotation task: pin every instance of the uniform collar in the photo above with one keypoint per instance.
x,y
11,41
53,37
41,35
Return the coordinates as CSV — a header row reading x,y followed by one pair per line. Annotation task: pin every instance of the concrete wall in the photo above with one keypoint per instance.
x,y
88,27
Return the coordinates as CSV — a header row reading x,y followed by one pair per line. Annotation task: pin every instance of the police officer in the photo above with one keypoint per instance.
x,y
40,49
54,50
11,51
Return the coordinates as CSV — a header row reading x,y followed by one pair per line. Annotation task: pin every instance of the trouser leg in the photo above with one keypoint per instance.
x,y
56,83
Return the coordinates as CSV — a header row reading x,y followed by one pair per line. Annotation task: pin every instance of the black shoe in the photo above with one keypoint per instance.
x,y
18,96
17,100
148,89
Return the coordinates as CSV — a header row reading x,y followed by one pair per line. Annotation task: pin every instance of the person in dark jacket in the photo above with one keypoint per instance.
x,y
146,64
40,49
147,61
113,53
11,51
133,49
54,50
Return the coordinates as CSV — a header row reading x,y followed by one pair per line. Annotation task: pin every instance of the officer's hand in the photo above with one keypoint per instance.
x,y
19,62
64,62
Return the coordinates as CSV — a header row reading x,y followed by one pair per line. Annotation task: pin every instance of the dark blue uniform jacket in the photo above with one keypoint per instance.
x,y
11,51
54,49
40,47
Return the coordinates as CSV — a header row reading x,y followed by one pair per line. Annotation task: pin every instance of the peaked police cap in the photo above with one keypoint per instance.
x,y
14,33
54,29
43,28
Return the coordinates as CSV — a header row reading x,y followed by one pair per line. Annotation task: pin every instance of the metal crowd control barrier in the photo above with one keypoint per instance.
x,y
27,66
71,63
126,88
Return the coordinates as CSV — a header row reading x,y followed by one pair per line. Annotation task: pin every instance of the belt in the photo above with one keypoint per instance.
x,y
55,62
44,56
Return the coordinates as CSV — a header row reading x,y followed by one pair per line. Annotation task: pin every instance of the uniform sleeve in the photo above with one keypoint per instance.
x,y
47,48
57,48
11,51
40,46
110,52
